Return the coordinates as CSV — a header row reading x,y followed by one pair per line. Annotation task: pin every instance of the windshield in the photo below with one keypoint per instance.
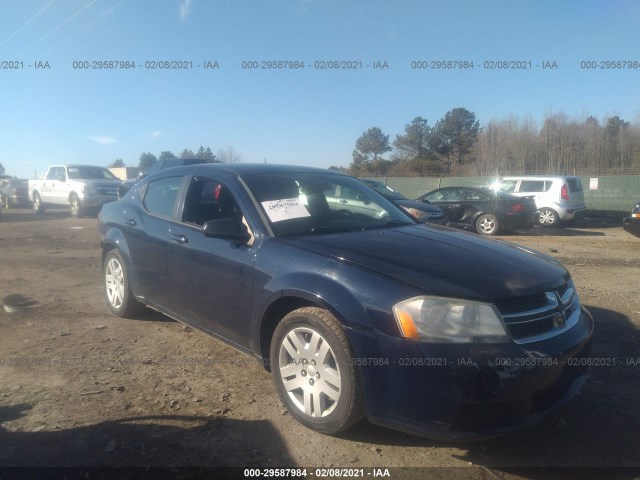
x,y
90,173
316,203
385,190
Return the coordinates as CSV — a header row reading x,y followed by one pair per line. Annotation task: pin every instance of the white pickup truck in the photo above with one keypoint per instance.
x,y
82,188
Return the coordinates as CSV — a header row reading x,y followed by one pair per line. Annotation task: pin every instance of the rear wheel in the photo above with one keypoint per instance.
x,y
548,217
487,224
37,203
314,371
116,286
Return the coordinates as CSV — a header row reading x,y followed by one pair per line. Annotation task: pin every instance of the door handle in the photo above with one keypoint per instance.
x,y
343,202
179,238
131,222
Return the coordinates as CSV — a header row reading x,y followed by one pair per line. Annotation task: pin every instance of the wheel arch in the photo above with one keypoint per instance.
x,y
115,240
346,309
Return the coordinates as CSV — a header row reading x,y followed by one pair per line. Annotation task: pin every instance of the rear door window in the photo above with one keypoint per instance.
x,y
161,195
508,186
534,186
473,196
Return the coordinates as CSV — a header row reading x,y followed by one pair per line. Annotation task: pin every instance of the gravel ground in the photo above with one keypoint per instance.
x,y
80,387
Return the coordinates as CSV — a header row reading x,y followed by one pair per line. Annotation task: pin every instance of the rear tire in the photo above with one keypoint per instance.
x,y
120,300
37,203
487,224
315,372
548,217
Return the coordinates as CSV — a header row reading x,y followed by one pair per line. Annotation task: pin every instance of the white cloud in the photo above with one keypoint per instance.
x,y
185,9
103,139
155,134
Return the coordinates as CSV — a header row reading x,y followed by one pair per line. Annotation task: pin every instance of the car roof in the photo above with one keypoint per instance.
x,y
537,177
78,165
242,169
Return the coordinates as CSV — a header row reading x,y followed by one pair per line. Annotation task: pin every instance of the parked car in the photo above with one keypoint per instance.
x,y
632,223
483,210
156,167
356,313
83,188
422,211
13,193
558,198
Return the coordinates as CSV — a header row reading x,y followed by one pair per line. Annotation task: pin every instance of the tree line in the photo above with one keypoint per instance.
x,y
224,155
458,145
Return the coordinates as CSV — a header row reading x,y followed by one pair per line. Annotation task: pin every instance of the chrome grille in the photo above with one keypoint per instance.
x,y
537,317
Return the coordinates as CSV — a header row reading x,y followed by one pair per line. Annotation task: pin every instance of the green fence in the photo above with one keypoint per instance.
x,y
601,194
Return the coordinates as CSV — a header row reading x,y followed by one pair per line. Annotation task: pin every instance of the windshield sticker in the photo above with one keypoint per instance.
x,y
285,209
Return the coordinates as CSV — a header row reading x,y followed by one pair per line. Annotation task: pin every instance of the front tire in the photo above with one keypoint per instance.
x,y
75,207
314,371
116,287
487,224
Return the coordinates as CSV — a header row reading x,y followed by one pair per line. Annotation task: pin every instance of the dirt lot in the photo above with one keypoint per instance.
x,y
81,387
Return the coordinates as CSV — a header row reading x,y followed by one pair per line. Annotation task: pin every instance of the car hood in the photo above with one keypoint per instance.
x,y
443,261
100,183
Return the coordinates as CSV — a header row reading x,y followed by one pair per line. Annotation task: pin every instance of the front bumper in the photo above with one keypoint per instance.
x,y
468,392
92,202
632,225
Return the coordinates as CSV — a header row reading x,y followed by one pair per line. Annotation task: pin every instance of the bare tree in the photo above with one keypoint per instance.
x,y
229,155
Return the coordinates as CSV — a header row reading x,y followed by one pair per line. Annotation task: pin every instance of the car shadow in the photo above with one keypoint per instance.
x,y
598,428
24,215
147,441
564,232
150,315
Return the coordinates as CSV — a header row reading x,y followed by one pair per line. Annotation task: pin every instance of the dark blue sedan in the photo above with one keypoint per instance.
x,y
358,311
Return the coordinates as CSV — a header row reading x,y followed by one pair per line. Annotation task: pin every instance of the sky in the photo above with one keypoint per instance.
x,y
53,109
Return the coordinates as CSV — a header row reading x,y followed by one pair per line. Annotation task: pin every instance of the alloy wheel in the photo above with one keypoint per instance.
x,y
114,282
309,372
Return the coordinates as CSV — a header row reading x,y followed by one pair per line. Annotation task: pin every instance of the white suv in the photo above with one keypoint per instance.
x,y
558,198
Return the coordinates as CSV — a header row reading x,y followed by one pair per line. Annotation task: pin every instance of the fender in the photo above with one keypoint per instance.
x,y
115,239
349,297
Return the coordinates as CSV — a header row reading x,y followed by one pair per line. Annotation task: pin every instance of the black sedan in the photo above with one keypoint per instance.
x,y
422,211
632,223
484,210
361,312
13,193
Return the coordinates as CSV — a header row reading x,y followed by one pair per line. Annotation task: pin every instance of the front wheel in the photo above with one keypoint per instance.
x,y
314,371
75,207
116,286
487,224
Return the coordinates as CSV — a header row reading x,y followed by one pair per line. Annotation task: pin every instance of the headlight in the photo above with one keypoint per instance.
x,y
89,190
448,320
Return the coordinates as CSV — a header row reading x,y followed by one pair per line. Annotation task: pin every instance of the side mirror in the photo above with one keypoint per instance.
x,y
228,228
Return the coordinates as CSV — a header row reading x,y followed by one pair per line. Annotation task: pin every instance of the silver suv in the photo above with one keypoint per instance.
x,y
558,198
